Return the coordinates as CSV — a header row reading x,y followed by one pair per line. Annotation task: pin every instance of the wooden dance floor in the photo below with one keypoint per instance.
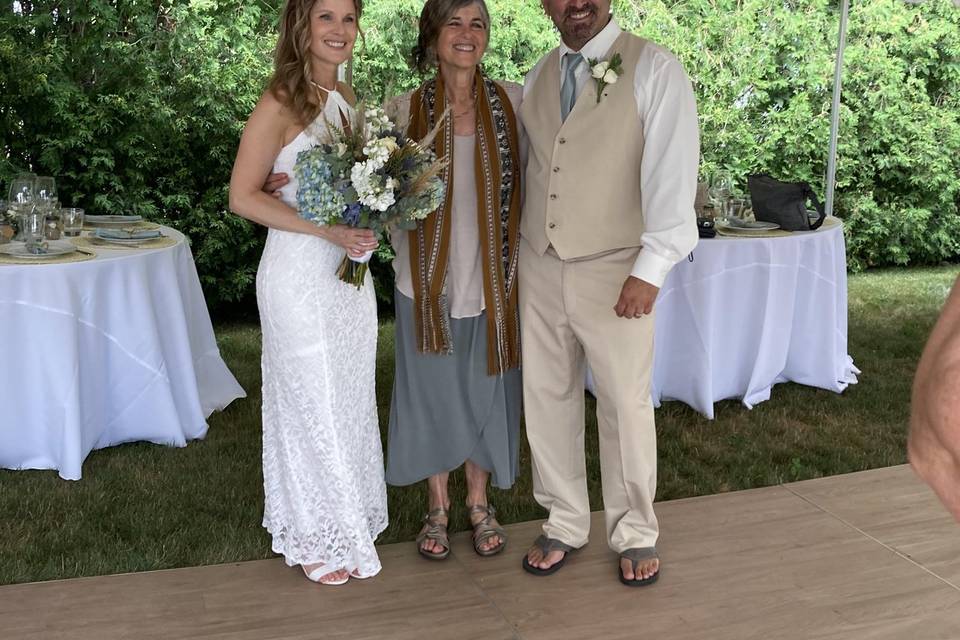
x,y
859,557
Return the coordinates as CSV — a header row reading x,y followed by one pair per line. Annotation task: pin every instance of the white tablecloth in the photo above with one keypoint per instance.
x,y
748,313
97,353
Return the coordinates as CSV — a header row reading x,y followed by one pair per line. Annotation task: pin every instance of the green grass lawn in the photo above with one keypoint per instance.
x,y
143,506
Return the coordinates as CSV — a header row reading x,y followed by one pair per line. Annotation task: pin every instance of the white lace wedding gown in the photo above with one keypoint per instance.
x,y
325,497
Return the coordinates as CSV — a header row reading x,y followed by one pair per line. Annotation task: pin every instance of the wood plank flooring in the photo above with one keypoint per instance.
x,y
866,556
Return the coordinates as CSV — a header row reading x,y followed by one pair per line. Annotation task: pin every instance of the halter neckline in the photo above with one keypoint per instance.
x,y
323,88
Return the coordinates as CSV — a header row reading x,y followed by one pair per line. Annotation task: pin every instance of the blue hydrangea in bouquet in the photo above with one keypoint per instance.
x,y
368,175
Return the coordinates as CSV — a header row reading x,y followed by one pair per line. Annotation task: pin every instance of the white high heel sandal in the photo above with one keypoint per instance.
x,y
319,572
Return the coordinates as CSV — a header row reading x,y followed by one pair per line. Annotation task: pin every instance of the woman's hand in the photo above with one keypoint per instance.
x,y
356,241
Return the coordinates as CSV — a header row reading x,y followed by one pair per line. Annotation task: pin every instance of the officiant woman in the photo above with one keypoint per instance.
x,y
457,390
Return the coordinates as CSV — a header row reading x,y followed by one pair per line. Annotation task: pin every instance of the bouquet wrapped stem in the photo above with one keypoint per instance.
x,y
354,270
352,273
370,176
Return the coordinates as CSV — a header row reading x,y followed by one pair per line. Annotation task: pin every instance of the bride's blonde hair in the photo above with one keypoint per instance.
x,y
292,68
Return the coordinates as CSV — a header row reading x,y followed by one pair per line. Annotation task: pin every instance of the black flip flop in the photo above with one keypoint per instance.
x,y
636,556
547,545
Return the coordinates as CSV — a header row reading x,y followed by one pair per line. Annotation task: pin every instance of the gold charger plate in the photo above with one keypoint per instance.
x,y
143,225
92,241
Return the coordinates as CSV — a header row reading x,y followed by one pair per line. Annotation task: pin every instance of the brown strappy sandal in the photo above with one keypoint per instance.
x,y
483,530
435,531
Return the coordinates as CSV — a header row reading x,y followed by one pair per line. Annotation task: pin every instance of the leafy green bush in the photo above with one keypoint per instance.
x,y
138,107
138,110
763,74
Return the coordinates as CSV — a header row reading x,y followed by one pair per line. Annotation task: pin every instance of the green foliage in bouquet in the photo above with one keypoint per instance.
x,y
370,176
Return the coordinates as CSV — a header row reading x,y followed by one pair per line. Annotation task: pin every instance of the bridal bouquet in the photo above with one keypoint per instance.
x,y
370,176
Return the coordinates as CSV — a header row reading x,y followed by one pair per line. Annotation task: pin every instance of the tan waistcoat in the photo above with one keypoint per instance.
x,y
583,175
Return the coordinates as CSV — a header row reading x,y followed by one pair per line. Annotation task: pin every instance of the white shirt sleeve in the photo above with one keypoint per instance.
x,y
671,158
515,93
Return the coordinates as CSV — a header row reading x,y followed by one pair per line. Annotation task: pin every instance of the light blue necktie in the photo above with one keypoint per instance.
x,y
568,92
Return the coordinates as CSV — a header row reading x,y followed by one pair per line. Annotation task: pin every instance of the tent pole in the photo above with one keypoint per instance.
x,y
835,112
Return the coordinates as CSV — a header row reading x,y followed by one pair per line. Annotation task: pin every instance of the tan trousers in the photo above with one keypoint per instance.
x,y
567,319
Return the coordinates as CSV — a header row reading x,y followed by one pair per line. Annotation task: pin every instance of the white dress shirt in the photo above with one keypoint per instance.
x,y
671,154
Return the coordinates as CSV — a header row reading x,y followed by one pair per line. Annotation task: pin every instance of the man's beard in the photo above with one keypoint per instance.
x,y
580,32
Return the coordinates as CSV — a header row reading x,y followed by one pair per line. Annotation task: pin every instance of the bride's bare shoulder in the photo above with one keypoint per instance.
x,y
274,117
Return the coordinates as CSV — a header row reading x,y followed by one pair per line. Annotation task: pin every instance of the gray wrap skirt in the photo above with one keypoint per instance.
x,y
446,409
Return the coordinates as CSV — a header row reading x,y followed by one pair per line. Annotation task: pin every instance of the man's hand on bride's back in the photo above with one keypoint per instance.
x,y
275,181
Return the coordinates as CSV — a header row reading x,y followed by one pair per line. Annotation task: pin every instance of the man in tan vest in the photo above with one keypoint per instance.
x,y
611,178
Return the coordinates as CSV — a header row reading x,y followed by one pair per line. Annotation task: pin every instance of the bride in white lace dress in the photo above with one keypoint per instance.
x,y
325,498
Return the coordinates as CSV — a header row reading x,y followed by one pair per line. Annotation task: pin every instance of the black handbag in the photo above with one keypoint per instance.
x,y
784,203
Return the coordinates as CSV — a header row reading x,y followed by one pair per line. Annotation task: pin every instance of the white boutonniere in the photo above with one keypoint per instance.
x,y
606,72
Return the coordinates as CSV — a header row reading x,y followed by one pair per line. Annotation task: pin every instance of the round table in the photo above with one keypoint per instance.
x,y
745,313
116,349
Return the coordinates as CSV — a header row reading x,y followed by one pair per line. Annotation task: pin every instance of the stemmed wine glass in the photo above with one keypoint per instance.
x,y
721,191
22,191
45,191
22,199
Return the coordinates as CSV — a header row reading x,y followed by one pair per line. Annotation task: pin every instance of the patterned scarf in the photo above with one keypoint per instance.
x,y
497,165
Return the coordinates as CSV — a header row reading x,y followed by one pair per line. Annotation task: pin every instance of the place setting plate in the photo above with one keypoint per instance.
x,y
126,223
133,242
747,228
125,238
111,220
55,248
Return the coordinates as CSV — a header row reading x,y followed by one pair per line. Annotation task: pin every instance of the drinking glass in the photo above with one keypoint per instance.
x,y
22,191
46,187
740,207
72,219
33,227
54,225
45,192
721,191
